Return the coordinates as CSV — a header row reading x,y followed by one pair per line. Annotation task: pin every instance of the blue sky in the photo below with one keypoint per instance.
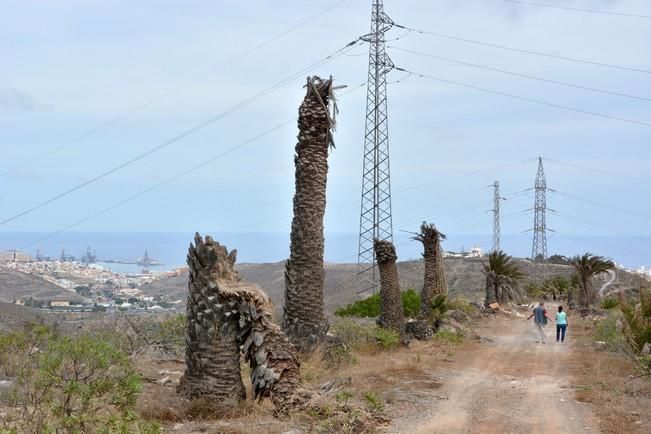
x,y
69,66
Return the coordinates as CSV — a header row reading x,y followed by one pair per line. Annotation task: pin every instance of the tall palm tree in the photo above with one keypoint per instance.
x,y
502,278
586,267
304,320
391,313
435,282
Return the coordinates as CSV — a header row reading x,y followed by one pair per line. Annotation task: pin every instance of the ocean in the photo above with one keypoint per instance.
x,y
170,248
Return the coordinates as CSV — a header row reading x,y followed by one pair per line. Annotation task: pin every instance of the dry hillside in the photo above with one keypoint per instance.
x,y
342,283
15,285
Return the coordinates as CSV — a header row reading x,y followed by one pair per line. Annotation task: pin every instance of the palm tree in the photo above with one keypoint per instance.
x,y
434,282
391,312
586,267
502,278
303,317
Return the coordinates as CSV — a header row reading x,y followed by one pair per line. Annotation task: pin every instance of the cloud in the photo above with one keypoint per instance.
x,y
15,100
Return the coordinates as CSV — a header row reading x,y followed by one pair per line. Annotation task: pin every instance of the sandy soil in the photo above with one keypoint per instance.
x,y
507,384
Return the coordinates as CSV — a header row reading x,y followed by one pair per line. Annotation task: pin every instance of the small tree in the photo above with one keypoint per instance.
x,y
502,278
586,267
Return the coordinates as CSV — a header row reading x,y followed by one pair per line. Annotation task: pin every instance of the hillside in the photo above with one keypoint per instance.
x,y
342,284
13,317
15,285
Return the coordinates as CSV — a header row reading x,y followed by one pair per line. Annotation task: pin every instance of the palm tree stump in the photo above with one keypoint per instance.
x,y
391,312
304,320
212,354
225,317
435,282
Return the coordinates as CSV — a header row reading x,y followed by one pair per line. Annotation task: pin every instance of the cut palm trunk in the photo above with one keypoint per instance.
x,y
304,320
435,282
212,349
391,313
226,316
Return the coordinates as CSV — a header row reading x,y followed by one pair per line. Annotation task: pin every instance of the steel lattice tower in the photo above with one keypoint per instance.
x,y
539,248
496,216
375,217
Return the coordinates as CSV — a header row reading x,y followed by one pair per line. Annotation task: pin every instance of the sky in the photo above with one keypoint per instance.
x,y
68,67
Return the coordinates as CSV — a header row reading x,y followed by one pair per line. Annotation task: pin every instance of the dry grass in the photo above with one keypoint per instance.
x,y
622,406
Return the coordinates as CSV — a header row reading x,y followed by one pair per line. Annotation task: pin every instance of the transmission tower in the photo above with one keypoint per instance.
x,y
375,218
539,248
496,216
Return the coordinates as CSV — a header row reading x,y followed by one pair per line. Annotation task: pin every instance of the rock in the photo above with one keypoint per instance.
x,y
494,306
163,381
646,350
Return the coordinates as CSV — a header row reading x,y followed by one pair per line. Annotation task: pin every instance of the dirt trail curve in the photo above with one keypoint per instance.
x,y
509,385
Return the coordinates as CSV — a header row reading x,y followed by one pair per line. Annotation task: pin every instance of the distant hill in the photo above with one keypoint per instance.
x,y
342,284
15,285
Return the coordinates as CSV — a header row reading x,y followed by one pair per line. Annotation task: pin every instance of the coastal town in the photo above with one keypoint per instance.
x,y
87,286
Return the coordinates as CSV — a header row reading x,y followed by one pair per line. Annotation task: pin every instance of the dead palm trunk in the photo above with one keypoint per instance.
x,y
212,349
434,282
226,316
303,319
391,313
491,289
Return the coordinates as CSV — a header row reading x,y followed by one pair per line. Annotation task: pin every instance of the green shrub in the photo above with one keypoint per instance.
x,y
369,307
608,331
439,307
609,303
71,384
637,321
373,402
386,338
449,336
410,303
351,333
461,304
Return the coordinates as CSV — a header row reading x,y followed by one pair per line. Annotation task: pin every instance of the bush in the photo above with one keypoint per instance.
x,y
71,384
386,338
609,331
450,336
461,304
369,307
351,333
410,303
637,322
609,303
439,307
373,402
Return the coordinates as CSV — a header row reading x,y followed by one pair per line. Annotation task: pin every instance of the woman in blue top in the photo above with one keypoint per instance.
x,y
561,324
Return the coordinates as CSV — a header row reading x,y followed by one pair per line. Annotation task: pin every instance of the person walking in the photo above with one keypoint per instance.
x,y
561,324
540,318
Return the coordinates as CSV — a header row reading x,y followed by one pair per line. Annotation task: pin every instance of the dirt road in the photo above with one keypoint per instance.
x,y
508,384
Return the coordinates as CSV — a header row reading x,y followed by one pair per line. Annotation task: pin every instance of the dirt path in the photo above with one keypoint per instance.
x,y
508,384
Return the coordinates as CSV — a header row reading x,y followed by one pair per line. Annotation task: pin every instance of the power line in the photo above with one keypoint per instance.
x,y
169,93
184,134
569,8
602,204
521,75
172,178
600,171
521,50
527,99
